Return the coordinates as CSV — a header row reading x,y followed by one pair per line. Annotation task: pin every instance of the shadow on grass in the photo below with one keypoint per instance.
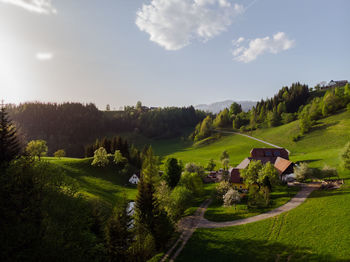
x,y
322,126
307,161
345,190
206,245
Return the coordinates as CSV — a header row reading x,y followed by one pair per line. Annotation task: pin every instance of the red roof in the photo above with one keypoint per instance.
x,y
282,164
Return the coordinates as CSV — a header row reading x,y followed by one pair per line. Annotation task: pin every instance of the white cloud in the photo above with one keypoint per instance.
x,y
36,6
173,24
278,43
44,56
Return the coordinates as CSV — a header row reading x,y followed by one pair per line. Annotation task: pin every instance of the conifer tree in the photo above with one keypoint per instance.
x,y
9,146
119,236
149,217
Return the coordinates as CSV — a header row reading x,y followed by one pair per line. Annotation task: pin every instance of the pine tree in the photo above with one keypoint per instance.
x,y
9,146
149,217
119,237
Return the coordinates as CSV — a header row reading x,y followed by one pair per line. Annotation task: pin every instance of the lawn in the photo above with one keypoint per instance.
x,y
321,146
279,196
237,146
95,182
318,230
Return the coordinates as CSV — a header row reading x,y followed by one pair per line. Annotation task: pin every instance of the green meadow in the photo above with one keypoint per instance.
x,y
94,182
318,230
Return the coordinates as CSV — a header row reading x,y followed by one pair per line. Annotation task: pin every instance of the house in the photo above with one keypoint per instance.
x,y
269,152
333,84
236,179
134,179
279,157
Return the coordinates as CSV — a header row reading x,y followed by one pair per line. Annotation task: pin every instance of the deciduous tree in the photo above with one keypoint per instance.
x,y
37,148
100,158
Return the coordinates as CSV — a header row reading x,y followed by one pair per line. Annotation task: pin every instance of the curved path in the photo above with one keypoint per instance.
x,y
251,137
299,198
187,226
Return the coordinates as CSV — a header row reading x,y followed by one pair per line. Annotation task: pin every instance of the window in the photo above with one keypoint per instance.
x,y
277,153
240,187
268,153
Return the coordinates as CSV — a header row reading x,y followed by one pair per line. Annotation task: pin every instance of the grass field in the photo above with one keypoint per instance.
x,y
318,230
320,147
279,196
94,182
237,146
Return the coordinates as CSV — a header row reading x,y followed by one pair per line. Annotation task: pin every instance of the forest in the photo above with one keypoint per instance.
x,y
71,126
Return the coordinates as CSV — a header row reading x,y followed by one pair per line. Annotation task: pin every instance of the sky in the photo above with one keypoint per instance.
x,y
168,52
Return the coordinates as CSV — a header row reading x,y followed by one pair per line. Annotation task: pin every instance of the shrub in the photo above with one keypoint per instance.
x,y
346,156
232,197
221,189
59,153
302,172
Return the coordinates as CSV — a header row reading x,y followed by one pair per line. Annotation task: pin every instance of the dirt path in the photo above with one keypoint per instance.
x,y
251,137
187,226
299,198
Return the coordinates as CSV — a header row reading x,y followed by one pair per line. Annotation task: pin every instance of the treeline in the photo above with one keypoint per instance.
x,y
289,104
70,126
131,153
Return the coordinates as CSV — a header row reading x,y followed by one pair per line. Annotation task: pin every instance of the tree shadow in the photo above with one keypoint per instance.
x,y
307,161
322,126
212,245
329,192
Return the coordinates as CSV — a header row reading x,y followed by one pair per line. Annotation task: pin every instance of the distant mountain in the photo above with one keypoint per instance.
x,y
218,106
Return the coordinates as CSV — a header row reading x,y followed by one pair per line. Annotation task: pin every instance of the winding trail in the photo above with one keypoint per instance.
x,y
299,198
189,224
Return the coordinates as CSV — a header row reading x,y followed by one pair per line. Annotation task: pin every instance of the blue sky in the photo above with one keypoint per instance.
x,y
168,53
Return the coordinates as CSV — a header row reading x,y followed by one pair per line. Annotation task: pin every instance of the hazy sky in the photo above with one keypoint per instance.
x,y
168,52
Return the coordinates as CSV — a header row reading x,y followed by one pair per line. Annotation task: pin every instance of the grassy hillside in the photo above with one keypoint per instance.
x,y
319,147
318,230
94,182
237,146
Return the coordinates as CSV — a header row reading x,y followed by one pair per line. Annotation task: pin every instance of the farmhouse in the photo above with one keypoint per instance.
x,y
279,157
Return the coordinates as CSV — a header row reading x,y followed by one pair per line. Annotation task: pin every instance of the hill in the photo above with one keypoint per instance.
x,y
218,106
319,147
317,230
93,182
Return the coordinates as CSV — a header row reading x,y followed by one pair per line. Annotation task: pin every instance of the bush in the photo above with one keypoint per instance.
x,y
258,198
193,182
303,172
59,153
221,189
232,197
346,156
